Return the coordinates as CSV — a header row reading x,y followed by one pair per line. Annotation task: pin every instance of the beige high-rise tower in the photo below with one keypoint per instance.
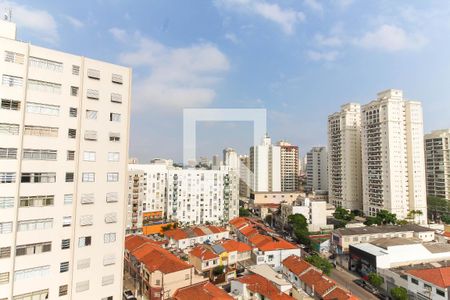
x,y
393,156
64,123
437,161
289,166
344,157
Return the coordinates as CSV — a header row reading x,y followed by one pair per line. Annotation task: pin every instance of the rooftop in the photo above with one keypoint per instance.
x,y
381,229
258,284
339,294
315,279
270,274
394,241
203,253
436,276
189,232
201,291
296,265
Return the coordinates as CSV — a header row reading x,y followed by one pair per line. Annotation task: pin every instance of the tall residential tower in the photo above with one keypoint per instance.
x,y
289,166
437,161
317,170
266,166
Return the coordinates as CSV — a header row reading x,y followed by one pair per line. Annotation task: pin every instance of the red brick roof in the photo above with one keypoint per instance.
x,y
436,276
296,265
203,253
133,242
180,234
268,243
216,229
232,245
258,284
339,294
316,279
176,234
201,291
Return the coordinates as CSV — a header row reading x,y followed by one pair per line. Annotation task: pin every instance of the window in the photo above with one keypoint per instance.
x,y
109,259
89,156
74,91
415,281
5,227
69,176
6,202
32,273
63,290
5,252
72,133
113,117
108,298
41,131
67,221
87,198
88,177
107,280
94,74
91,114
31,249
82,286
86,220
12,81
37,201
112,197
65,244
72,112
38,295
8,153
116,78
46,64
6,128
112,176
113,156
109,237
68,198
42,109
14,57
7,177
116,98
110,218
75,70
4,277
83,263
64,267
90,135
44,86
38,177
114,137
84,241
36,224
93,94
70,155
10,104
440,292
39,154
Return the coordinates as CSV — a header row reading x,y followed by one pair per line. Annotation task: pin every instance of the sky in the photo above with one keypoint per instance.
x,y
299,59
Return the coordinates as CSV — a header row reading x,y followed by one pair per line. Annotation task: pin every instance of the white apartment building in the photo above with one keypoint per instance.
x,y
289,162
137,189
231,159
265,164
344,157
393,156
437,161
245,177
317,169
64,122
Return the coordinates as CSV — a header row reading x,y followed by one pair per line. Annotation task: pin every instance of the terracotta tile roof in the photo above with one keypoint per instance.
x,y
437,276
339,294
268,243
216,229
447,234
239,221
133,242
316,279
176,234
199,231
203,253
157,258
232,245
296,265
258,284
248,231
201,291
180,234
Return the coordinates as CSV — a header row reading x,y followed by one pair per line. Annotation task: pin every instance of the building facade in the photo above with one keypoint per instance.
x,y
437,161
64,123
317,169
393,156
344,157
289,160
266,166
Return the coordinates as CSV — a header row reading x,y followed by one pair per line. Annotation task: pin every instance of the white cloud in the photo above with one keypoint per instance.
x,y
232,38
343,3
38,22
322,55
287,19
391,38
177,77
119,34
74,22
328,41
314,5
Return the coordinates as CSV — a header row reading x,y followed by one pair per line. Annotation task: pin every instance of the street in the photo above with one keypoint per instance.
x,y
345,280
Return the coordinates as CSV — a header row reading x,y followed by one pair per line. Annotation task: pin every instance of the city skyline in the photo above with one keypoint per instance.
x,y
299,59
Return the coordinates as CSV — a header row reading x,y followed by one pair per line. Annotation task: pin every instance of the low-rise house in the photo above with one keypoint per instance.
x,y
315,212
183,238
430,283
157,272
203,259
342,238
255,286
232,252
270,274
201,291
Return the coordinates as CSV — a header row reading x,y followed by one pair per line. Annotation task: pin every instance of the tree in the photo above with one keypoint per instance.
x,y
243,212
218,270
384,217
343,214
166,227
320,262
399,293
376,280
300,228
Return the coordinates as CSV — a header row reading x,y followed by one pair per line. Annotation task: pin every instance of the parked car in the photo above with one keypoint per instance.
x,y
128,295
360,282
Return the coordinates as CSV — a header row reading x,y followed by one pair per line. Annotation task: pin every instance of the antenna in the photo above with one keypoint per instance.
x,y
7,15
